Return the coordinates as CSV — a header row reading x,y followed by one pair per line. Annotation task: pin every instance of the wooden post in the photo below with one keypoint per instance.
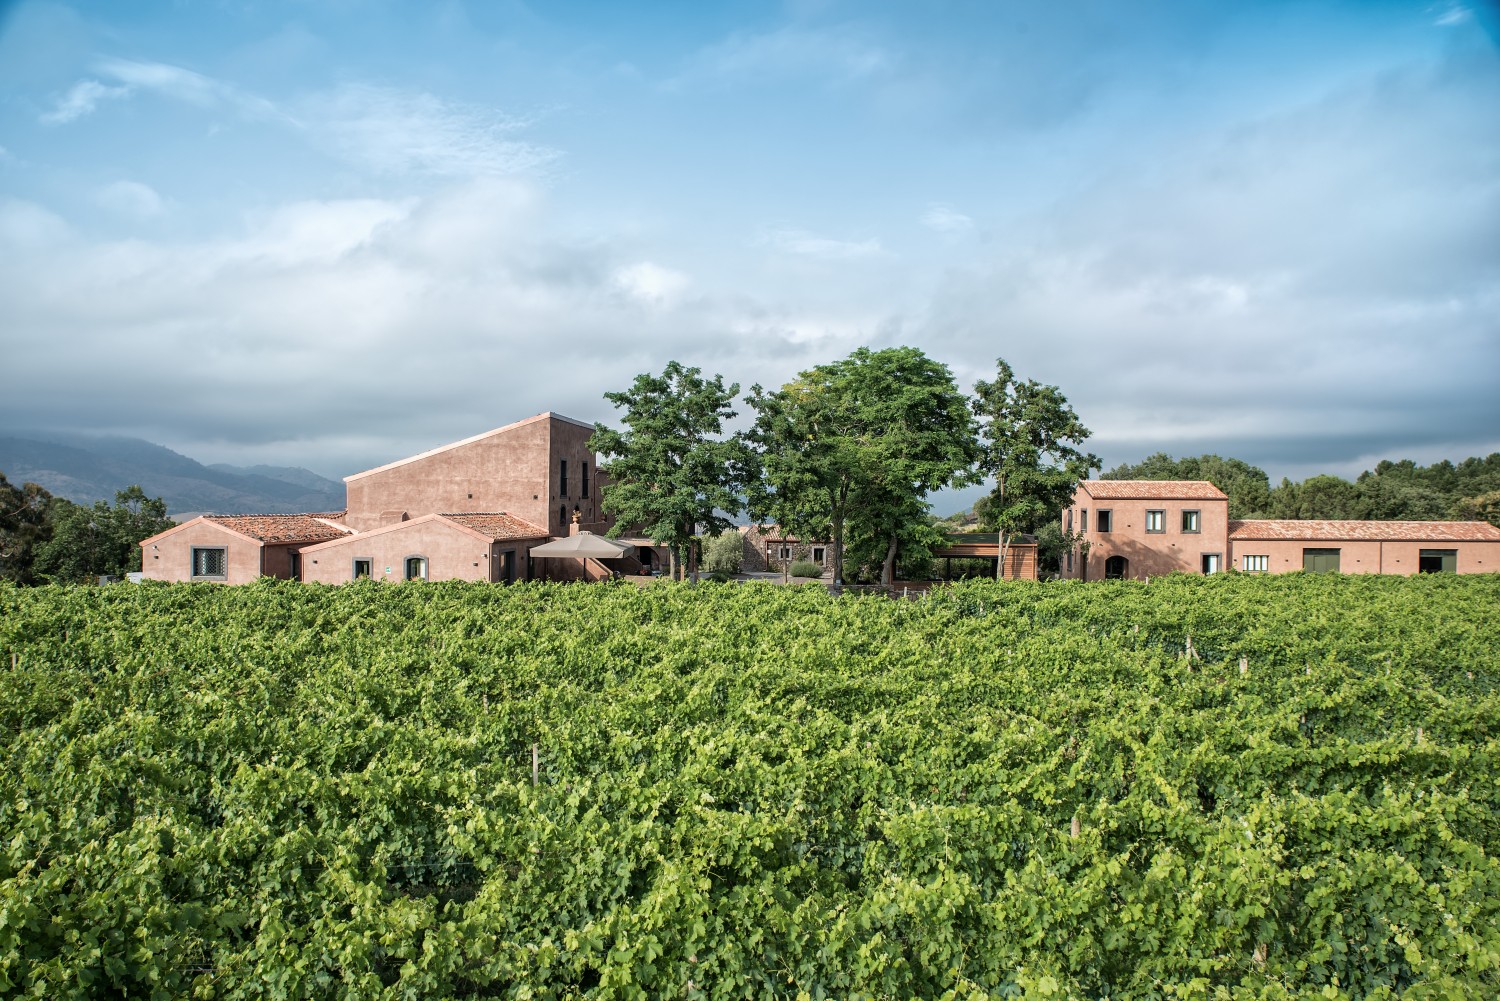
x,y
1244,665
536,767
1077,827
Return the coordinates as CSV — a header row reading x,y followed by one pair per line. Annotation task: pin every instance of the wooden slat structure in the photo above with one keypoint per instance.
x,y
1020,554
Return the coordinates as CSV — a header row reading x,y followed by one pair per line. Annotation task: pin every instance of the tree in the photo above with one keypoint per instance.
x,y
868,438
98,540
673,474
1482,507
1247,487
1030,441
25,524
723,554
1317,497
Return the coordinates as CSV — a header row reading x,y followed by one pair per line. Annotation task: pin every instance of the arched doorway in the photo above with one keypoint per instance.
x,y
1116,568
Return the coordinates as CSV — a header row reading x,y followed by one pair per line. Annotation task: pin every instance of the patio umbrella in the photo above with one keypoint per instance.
x,y
583,546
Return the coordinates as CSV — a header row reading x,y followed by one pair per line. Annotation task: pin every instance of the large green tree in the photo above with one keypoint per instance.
x,y
1031,444
862,440
100,539
673,471
25,524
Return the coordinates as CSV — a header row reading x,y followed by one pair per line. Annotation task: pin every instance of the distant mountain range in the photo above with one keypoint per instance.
x,y
86,468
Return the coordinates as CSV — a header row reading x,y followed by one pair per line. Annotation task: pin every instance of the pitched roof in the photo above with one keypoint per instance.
x,y
1153,490
548,416
1364,531
281,527
498,525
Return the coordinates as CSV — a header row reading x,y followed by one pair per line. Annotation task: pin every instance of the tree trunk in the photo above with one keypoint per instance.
x,y
692,547
837,524
672,561
1003,542
888,569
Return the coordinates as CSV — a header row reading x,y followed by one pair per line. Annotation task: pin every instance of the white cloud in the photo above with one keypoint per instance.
x,y
946,219
804,244
399,132
1452,14
130,198
80,100
792,52
651,284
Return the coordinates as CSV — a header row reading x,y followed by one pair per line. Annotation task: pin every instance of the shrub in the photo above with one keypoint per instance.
x,y
723,553
806,568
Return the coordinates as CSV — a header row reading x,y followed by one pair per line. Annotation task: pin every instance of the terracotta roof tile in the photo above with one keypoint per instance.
x,y
499,525
278,528
1364,531
1153,490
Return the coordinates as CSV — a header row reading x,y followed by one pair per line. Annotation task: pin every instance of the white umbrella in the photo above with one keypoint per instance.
x,y
583,546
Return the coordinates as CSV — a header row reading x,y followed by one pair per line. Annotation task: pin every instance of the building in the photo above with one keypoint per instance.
x,y
237,548
471,510
1145,528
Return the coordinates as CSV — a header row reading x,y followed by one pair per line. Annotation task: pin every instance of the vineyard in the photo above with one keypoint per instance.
x,y
1224,787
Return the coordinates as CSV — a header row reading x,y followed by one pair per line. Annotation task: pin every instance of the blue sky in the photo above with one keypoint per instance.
x,y
334,233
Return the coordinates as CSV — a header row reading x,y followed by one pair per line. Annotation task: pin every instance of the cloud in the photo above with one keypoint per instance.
x,y
1322,278
651,284
835,54
80,100
946,219
400,132
804,244
379,129
1452,14
130,198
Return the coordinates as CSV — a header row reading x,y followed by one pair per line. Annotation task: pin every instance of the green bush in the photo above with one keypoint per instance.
x,y
723,553
806,568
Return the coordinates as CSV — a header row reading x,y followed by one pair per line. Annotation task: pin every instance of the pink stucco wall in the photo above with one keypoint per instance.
x,y
1399,557
515,469
170,558
1150,554
451,553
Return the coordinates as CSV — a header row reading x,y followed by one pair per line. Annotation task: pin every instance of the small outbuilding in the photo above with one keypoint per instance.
x,y
487,546
236,548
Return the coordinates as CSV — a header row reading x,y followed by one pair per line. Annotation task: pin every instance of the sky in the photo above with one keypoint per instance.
x,y
336,233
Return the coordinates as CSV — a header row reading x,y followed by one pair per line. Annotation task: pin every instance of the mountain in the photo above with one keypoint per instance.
x,y
86,468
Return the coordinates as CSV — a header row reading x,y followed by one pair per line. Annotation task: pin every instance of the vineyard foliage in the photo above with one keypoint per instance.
x,y
1224,787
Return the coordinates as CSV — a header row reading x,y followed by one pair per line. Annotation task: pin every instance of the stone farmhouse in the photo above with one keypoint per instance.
x,y
1144,528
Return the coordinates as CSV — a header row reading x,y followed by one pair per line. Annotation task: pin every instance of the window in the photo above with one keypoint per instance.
x,y
1191,522
506,571
1212,563
562,517
585,485
416,568
210,564
1437,561
564,478
1255,564
786,552
1070,561
818,555
1320,560
1156,521
1083,521
1102,521
1069,526
364,567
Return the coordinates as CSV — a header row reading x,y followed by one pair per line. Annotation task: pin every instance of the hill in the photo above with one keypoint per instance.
x,y
86,468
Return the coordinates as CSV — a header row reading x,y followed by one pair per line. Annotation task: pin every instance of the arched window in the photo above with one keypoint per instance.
x,y
416,568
